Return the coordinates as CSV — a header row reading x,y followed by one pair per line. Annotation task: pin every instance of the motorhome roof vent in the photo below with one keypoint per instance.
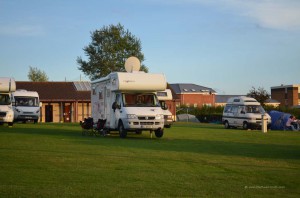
x,y
132,64
185,90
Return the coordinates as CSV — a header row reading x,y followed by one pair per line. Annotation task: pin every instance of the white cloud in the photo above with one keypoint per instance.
x,y
276,14
21,30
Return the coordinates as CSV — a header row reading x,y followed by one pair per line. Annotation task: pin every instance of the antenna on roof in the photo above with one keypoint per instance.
x,y
132,64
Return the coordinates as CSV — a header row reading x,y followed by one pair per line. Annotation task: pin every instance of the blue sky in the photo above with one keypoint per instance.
x,y
227,45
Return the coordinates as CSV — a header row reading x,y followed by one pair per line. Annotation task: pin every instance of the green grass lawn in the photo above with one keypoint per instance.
x,y
191,160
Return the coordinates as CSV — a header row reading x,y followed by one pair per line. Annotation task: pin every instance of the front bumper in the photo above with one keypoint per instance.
x,y
135,124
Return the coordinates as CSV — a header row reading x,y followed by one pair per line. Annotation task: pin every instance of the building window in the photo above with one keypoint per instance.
x,y
195,105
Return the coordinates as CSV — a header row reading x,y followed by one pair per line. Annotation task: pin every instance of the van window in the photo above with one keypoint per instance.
x,y
140,100
241,109
234,109
26,101
227,109
255,109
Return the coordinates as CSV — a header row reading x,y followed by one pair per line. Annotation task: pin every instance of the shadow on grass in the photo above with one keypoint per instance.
x,y
204,146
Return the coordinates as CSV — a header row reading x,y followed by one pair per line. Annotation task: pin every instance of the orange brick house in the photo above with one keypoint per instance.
x,y
61,101
192,95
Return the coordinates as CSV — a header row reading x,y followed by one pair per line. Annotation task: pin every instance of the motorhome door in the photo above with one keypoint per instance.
x,y
116,110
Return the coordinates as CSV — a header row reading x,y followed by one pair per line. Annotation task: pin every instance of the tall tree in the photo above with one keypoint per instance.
x,y
108,50
37,75
260,94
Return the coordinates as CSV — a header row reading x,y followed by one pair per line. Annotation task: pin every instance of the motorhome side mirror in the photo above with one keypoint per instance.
x,y
115,106
165,107
242,112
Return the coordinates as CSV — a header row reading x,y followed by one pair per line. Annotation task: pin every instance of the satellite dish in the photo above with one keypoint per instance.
x,y
132,64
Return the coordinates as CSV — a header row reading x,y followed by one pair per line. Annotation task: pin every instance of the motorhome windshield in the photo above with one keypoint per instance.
x,y
255,109
26,101
5,99
140,100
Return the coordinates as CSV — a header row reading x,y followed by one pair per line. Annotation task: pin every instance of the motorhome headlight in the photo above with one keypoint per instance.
x,y
131,116
159,116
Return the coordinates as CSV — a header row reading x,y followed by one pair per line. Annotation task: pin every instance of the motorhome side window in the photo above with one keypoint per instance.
x,y
4,99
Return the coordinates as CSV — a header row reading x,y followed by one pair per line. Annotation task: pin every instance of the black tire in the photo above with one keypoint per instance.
x,y
10,124
139,132
168,126
159,133
245,125
122,130
35,121
226,125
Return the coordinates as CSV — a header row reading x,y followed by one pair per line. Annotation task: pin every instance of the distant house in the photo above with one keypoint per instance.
x,y
193,95
61,101
287,95
272,102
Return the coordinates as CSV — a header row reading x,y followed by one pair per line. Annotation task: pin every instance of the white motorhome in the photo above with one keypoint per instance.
x,y
164,96
128,101
244,112
26,105
7,86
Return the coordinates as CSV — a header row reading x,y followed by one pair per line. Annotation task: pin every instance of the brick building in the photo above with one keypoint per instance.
x,y
61,101
193,95
287,95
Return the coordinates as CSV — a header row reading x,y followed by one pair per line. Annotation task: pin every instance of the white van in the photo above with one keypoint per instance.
x,y
164,96
7,86
127,101
244,112
26,105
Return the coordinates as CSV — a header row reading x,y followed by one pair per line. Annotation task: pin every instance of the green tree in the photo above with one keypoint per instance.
x,y
37,75
108,51
260,94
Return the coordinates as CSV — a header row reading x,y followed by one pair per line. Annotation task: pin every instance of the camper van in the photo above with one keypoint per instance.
x,y
127,101
244,112
164,96
7,86
26,105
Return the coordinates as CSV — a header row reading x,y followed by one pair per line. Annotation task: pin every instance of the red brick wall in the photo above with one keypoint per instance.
x,y
292,96
289,98
199,99
279,95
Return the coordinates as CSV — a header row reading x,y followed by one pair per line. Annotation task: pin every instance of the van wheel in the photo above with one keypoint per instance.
x,y
245,125
226,125
139,132
159,133
122,130
10,124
